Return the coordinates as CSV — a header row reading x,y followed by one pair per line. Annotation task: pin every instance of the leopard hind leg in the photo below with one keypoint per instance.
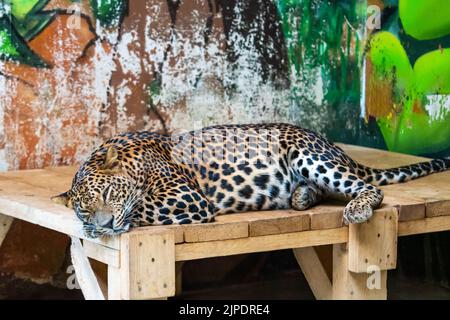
x,y
340,181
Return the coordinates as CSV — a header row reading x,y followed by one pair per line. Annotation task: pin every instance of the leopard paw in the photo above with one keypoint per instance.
x,y
356,212
303,198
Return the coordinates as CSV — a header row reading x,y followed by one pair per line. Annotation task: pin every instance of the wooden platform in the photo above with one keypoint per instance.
x,y
143,263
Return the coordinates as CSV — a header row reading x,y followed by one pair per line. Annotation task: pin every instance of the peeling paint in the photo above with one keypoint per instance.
x,y
213,64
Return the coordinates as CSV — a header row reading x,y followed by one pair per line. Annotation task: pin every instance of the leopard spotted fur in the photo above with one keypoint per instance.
x,y
145,178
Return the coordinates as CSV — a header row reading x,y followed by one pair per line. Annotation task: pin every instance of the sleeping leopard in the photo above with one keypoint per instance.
x,y
145,178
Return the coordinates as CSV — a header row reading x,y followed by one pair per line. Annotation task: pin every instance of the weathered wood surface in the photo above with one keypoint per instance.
x,y
26,195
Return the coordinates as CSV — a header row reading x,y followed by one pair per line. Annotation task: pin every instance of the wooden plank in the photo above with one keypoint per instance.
x,y
327,215
426,225
295,222
101,253
83,271
60,179
437,208
178,230
5,224
101,274
262,223
355,286
32,204
408,208
192,251
374,242
147,265
114,283
215,231
314,272
432,188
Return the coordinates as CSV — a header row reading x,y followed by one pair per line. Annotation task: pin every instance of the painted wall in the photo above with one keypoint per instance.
x,y
73,73
408,80
76,72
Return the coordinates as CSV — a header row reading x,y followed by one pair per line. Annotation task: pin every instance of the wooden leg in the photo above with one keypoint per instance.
x,y
314,272
114,291
360,267
348,285
147,266
5,224
374,242
85,276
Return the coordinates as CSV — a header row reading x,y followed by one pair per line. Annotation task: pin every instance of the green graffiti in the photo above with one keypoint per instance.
x,y
324,35
14,48
29,18
412,127
110,13
6,45
314,32
425,19
20,21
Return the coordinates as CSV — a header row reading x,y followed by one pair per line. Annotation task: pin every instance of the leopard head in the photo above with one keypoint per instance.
x,y
103,195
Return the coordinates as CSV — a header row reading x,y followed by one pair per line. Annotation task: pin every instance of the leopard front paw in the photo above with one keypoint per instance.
x,y
357,213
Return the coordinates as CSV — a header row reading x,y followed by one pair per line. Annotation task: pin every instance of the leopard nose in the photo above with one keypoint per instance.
x,y
104,218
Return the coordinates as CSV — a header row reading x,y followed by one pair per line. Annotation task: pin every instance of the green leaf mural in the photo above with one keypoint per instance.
x,y
20,21
29,18
110,13
425,19
412,128
322,36
14,48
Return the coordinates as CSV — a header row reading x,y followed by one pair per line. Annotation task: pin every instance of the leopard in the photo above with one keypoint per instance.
x,y
144,178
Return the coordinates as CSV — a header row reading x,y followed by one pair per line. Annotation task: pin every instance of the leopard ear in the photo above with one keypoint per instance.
x,y
64,199
111,163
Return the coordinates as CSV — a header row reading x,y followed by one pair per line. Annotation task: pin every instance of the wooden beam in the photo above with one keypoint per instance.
x,y
314,272
192,251
101,253
101,273
215,231
437,208
114,283
176,228
355,286
374,242
427,225
85,276
147,265
262,223
409,208
5,225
